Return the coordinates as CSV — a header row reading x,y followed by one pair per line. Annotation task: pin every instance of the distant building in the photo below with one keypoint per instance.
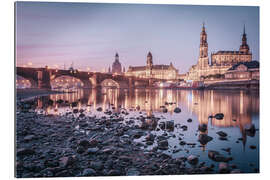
x,y
244,70
116,66
221,61
153,71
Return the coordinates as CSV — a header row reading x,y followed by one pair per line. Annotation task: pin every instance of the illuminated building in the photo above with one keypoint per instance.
x,y
153,71
221,61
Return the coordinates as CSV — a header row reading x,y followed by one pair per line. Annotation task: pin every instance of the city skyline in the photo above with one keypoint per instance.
x,y
89,34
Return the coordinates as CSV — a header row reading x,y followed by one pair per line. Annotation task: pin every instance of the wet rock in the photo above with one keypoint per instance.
x,y
114,172
182,143
170,125
81,115
223,138
223,167
202,127
163,145
219,116
25,152
193,160
216,156
204,139
66,161
133,172
89,172
250,130
162,125
164,110
84,143
189,120
184,128
99,109
177,110
75,111
59,101
222,134
150,137
96,165
29,138
74,104
92,150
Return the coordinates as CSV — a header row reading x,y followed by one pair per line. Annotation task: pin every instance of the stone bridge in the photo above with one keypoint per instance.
x,y
42,77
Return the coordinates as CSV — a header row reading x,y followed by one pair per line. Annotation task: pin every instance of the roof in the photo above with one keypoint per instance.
x,y
249,65
228,52
155,67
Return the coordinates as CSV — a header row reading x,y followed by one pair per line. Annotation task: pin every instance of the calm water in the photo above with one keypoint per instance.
x,y
239,108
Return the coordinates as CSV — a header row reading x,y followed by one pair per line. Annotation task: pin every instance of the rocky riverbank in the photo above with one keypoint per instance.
x,y
78,145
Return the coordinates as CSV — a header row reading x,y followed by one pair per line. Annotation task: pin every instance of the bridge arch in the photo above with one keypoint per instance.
x,y
68,81
110,83
25,81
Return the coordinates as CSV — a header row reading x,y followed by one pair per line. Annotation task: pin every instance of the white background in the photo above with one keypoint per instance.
x,y
7,88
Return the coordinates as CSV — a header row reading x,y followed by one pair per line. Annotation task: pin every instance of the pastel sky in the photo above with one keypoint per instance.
x,y
90,34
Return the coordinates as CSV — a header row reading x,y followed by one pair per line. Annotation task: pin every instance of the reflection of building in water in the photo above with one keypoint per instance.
x,y
237,107
66,82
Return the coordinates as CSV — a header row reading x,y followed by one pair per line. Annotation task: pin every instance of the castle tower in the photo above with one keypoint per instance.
x,y
203,61
149,65
149,61
116,66
244,48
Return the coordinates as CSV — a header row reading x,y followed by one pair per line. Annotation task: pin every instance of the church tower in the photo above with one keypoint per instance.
x,y
244,48
149,65
203,61
116,67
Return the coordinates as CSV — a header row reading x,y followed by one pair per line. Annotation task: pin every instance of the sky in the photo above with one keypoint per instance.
x,y
89,34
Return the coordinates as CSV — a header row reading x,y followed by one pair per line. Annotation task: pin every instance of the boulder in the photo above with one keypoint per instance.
x,y
66,161
222,134
216,156
84,143
162,125
25,152
150,137
170,125
204,139
164,110
250,130
202,127
177,110
99,109
193,160
75,111
163,145
92,150
219,116
223,167
89,172
29,138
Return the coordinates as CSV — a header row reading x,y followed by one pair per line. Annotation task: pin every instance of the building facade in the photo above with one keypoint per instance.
x,y
116,66
244,71
221,61
168,72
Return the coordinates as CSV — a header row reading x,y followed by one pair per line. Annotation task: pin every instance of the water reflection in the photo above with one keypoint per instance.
x,y
240,109
237,106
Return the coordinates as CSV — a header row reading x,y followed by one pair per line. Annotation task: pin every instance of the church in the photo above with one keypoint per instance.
x,y
168,72
221,61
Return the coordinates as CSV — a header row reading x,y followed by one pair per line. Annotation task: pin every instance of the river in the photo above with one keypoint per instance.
x,y
240,109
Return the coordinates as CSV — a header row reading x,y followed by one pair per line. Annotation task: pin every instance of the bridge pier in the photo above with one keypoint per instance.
x,y
44,80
